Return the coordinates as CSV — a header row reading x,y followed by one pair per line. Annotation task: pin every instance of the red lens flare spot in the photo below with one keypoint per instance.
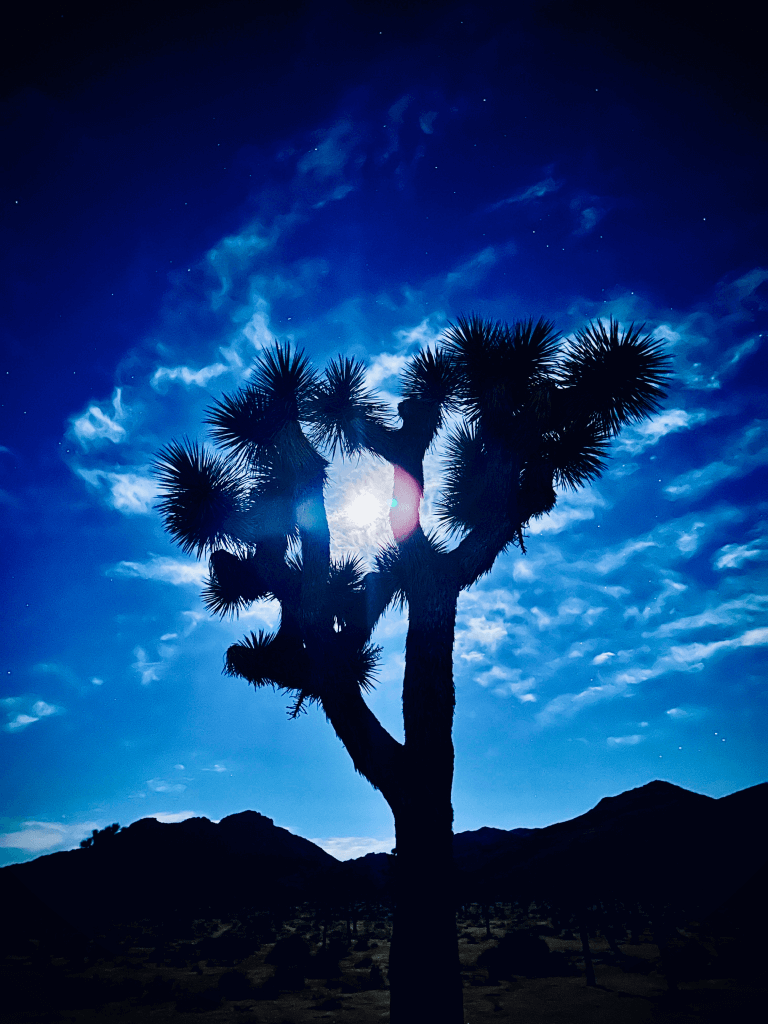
x,y
406,499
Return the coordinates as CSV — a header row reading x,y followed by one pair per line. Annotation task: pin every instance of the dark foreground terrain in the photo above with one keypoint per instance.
x,y
262,969
651,907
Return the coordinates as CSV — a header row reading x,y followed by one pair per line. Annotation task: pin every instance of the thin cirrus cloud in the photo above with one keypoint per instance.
x,y
637,437
625,741
186,376
505,682
161,786
350,847
685,658
95,426
131,493
536,191
176,571
741,455
22,712
734,556
726,614
38,836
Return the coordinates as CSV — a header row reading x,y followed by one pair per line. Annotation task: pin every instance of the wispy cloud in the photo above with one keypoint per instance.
x,y
148,671
22,712
96,426
473,270
131,493
726,614
637,437
741,456
37,836
571,508
506,682
619,557
161,786
733,556
350,847
176,571
426,334
172,817
625,741
541,188
670,589
335,149
186,376
382,366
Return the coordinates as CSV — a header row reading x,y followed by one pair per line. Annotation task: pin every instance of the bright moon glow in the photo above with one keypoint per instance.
x,y
364,509
358,500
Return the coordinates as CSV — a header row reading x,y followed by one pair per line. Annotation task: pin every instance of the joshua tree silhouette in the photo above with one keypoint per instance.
x,y
524,414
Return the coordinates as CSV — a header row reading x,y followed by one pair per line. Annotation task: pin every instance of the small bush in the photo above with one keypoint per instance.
x,y
158,990
375,978
291,951
235,985
522,952
270,989
198,1002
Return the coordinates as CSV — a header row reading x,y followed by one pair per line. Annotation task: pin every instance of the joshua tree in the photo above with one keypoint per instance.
x,y
523,415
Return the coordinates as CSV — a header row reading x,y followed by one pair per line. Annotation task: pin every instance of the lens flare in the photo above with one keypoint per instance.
x,y
404,508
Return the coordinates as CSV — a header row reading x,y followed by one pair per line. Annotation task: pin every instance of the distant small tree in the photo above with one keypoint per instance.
x,y
529,415
100,835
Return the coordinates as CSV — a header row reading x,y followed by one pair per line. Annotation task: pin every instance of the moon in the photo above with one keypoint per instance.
x,y
364,508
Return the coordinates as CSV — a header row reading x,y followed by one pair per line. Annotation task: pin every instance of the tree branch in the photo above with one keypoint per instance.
x,y
501,525
375,753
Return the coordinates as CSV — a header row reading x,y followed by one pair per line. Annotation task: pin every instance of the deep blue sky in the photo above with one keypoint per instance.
x,y
187,185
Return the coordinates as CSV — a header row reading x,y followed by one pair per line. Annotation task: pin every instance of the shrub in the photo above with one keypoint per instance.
x,y
522,952
198,1002
158,990
376,977
290,951
235,985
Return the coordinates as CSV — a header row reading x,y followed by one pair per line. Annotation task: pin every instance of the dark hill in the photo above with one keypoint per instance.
x,y
155,869
658,843
654,844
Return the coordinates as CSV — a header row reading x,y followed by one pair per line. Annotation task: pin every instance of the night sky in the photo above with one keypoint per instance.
x,y
185,186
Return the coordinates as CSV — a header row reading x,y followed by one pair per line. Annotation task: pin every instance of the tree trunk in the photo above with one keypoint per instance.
x,y
424,971
425,978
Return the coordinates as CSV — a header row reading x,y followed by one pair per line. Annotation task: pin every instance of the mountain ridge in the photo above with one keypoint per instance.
x,y
654,842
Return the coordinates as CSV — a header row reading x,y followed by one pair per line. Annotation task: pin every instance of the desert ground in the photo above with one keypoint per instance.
x,y
312,968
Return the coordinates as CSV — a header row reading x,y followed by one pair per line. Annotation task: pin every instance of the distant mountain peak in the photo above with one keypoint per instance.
x,y
248,819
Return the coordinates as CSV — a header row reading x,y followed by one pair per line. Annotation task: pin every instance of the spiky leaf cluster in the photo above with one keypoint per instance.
x,y
613,378
501,368
343,410
345,594
467,495
536,422
432,377
235,581
280,660
260,424
202,497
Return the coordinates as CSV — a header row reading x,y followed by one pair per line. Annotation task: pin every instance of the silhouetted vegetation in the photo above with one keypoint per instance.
x,y
530,415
